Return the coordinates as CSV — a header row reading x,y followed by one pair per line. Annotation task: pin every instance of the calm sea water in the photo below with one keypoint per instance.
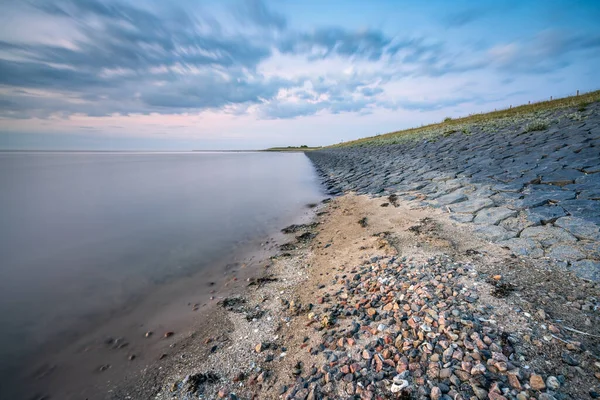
x,y
81,233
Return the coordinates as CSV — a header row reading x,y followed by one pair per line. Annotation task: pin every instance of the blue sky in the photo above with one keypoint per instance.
x,y
249,74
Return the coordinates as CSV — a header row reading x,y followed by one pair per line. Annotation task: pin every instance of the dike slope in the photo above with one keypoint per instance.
x,y
530,183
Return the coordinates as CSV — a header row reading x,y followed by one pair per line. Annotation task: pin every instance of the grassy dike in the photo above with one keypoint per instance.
x,y
532,116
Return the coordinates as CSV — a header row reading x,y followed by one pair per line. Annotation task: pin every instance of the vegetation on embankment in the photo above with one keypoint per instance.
x,y
530,117
293,148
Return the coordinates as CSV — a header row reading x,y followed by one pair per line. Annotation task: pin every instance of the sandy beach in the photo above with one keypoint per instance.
x,y
390,299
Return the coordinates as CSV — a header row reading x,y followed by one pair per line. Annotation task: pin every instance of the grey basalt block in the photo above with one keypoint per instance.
x,y
580,228
540,198
471,206
452,198
587,269
561,177
523,247
585,209
462,217
493,216
544,214
494,233
564,252
548,235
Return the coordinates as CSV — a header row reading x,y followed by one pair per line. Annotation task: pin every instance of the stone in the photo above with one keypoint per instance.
x,y
548,235
452,198
397,387
580,228
463,218
537,382
481,394
552,383
539,198
471,206
523,247
561,177
586,209
494,233
493,215
564,252
544,214
436,393
587,269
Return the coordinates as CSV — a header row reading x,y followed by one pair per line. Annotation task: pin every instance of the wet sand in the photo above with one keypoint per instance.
x,y
126,345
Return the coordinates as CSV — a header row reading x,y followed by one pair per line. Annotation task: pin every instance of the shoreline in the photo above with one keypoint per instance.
x,y
318,333
94,361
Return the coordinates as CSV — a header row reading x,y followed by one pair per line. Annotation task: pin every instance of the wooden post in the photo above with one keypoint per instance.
x,y
577,92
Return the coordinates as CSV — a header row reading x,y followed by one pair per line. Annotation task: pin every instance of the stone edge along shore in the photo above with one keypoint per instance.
x,y
531,184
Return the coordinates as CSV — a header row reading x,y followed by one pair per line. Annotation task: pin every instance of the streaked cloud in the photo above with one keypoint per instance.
x,y
250,59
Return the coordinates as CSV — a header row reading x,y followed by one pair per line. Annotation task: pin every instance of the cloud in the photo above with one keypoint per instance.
x,y
147,57
548,51
256,12
326,42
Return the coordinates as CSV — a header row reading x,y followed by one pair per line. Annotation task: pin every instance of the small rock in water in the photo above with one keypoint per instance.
x,y
169,334
149,333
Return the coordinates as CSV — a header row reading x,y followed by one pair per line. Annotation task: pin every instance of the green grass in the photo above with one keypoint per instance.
x,y
530,117
292,148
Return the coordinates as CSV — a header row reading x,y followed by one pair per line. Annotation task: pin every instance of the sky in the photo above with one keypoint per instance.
x,y
252,74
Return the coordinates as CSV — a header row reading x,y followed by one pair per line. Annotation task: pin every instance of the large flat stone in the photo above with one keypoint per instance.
x,y
493,215
561,177
586,209
580,228
564,252
462,217
548,235
523,247
588,269
545,214
471,206
455,197
539,198
494,233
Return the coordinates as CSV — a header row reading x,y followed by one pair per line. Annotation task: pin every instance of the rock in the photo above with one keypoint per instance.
x,y
455,197
481,394
523,247
564,252
471,206
552,383
494,233
436,393
588,269
168,334
579,228
570,359
548,235
545,214
398,387
537,382
493,215
464,218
